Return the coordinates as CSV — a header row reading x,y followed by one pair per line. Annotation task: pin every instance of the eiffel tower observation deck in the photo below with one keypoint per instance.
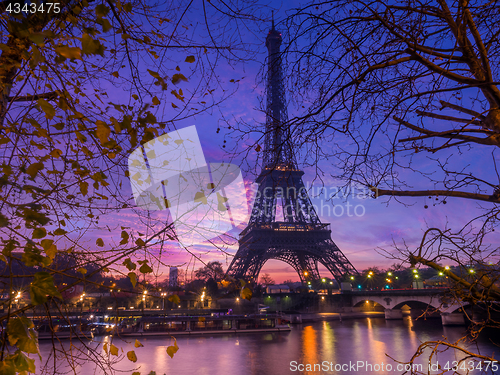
x,y
284,224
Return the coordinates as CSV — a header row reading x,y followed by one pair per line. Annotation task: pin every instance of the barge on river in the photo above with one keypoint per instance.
x,y
200,325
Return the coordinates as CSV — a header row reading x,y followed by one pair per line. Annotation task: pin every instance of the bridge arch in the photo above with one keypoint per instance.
x,y
363,302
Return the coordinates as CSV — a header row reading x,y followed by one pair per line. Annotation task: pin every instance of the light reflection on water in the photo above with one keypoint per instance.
x,y
367,340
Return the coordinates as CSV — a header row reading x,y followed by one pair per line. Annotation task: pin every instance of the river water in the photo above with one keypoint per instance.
x,y
357,346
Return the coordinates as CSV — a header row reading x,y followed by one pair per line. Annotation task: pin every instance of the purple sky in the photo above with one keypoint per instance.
x,y
374,225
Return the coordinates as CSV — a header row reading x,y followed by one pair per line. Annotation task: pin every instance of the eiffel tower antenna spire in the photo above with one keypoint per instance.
x,y
277,142
284,224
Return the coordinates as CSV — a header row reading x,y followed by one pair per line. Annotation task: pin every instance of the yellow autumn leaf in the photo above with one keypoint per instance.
x,y
84,187
137,344
176,78
131,356
113,350
246,293
133,278
190,59
172,349
56,153
39,233
156,101
200,197
34,168
69,52
50,248
47,108
174,299
102,131
99,242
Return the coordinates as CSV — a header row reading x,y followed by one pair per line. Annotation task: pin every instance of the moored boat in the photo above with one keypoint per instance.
x,y
200,325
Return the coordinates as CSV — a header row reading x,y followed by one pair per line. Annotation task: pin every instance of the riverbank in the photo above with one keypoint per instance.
x,y
315,317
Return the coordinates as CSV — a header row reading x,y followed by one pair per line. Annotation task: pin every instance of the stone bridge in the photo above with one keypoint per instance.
x,y
420,301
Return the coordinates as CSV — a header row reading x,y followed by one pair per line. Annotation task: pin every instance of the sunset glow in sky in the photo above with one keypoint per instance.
x,y
362,227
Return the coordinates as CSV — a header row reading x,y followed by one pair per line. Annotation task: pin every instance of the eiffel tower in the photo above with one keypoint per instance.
x,y
299,239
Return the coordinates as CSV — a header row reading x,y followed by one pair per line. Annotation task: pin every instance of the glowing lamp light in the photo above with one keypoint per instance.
x,y
323,280
389,273
471,271
441,274
447,267
306,273
415,271
352,277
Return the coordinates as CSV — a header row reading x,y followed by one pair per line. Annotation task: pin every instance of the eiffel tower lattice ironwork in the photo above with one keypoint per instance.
x,y
300,239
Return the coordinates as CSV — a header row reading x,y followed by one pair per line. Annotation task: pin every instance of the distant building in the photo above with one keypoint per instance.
x,y
173,277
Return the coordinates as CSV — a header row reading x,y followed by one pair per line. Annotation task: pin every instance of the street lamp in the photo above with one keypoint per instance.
x,y
163,295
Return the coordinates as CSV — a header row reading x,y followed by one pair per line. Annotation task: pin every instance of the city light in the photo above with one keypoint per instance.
x,y
415,271
471,271
441,274
352,277
389,273
306,273
323,280
447,267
